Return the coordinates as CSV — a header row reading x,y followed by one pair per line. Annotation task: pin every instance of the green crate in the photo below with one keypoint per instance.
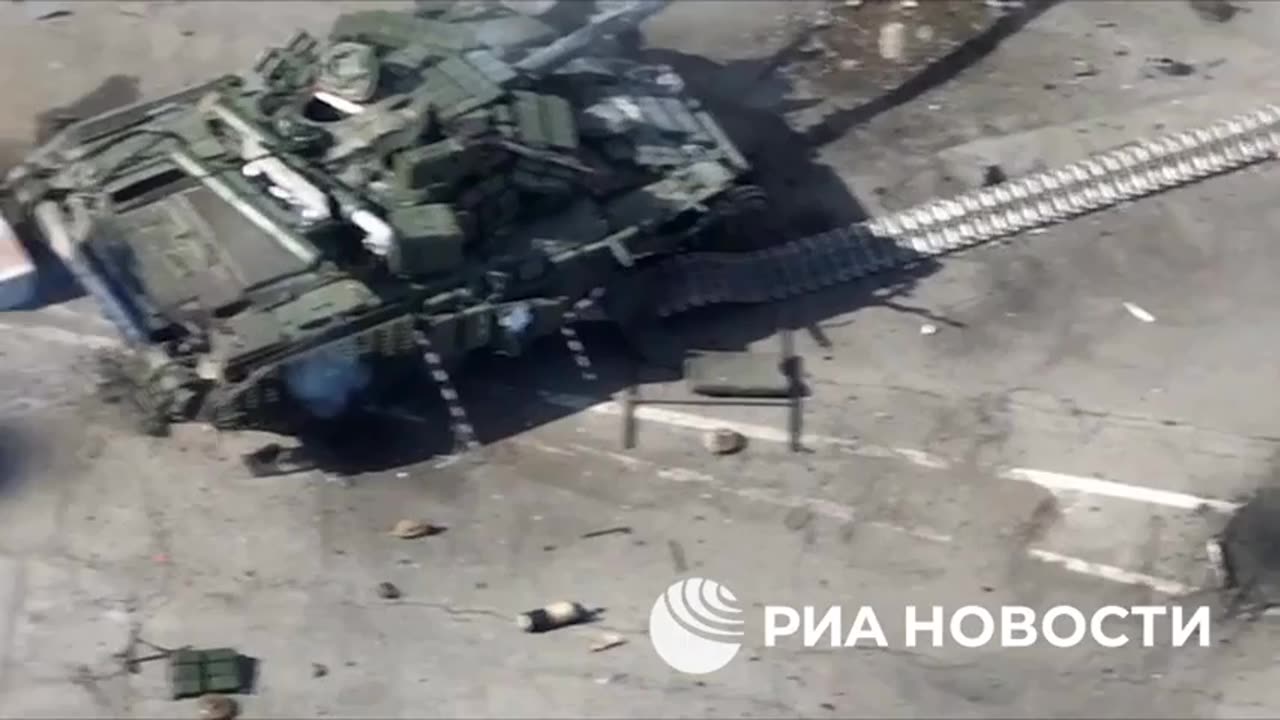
x,y
193,673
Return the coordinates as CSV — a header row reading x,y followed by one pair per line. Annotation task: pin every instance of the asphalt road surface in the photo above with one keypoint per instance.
x,y
998,428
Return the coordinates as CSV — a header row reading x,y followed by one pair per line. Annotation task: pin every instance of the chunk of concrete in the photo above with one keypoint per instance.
x,y
17,270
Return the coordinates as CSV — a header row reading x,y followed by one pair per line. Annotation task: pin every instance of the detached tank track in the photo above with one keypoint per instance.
x,y
943,226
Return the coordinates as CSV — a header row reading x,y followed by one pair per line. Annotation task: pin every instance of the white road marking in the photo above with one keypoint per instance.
x,y
60,335
769,496
1059,482
847,513
549,449
764,433
1110,572
1054,482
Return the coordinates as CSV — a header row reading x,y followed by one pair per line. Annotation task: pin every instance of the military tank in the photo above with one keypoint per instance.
x,y
413,188
281,244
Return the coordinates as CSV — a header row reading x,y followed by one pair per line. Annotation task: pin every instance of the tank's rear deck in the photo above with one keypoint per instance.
x,y
193,249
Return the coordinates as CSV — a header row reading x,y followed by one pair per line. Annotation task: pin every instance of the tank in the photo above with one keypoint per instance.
x,y
413,188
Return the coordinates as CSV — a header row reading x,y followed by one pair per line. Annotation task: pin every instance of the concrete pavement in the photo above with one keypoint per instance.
x,y
1044,446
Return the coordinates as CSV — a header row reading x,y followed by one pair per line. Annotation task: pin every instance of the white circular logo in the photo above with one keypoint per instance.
x,y
692,626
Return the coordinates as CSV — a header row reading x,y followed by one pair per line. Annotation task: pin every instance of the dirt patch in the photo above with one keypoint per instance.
x,y
861,50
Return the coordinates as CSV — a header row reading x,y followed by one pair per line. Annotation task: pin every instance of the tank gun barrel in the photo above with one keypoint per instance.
x,y
609,22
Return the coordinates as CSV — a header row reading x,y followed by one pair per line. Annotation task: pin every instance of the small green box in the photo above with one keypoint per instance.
x,y
185,681
193,673
431,239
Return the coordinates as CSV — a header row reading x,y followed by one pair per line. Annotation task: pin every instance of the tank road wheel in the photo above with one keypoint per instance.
x,y
741,221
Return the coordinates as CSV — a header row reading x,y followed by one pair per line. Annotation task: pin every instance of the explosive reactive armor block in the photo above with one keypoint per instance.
x,y
430,240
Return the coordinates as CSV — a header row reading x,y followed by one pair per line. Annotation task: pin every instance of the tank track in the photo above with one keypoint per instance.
x,y
943,226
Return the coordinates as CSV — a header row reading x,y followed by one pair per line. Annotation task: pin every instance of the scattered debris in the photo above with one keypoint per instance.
x,y
892,40
413,529
216,707
928,329
909,4
193,673
319,670
553,616
1083,68
723,441
1174,68
608,641
273,459
1139,313
620,530
387,591
1219,11
132,9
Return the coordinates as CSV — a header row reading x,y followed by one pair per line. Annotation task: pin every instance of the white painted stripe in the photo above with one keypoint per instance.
x,y
59,335
769,496
1059,482
1110,572
847,513
1052,481
764,433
